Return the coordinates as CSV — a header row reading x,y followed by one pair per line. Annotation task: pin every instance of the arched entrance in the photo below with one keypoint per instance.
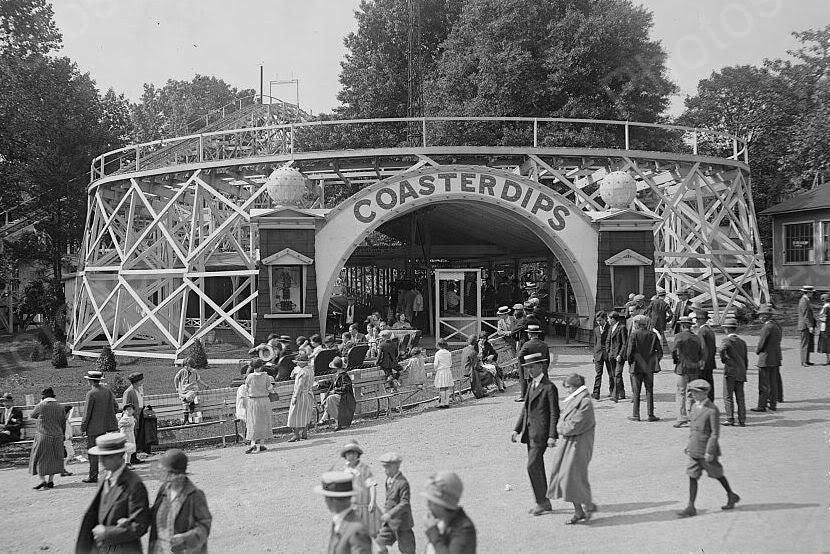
x,y
558,223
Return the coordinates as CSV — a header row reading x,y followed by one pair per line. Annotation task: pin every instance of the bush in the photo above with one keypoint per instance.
x,y
198,358
106,360
745,314
59,352
117,385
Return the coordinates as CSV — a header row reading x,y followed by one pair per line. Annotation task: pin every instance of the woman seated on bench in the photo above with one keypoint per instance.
x,y
340,402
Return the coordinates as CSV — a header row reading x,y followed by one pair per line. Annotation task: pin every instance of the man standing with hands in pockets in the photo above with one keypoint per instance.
x,y
537,427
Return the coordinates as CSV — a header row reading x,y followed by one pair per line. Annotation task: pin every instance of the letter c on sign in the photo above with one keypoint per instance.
x,y
557,222
360,217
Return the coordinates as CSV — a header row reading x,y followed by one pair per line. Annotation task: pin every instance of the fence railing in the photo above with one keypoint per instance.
x,y
323,135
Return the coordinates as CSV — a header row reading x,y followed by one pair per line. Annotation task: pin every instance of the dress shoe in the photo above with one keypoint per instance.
x,y
688,512
728,423
89,480
66,474
250,450
733,499
42,485
653,418
50,485
680,424
757,409
741,424
633,418
519,400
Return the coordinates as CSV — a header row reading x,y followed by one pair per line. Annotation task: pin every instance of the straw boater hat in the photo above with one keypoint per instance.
x,y
503,310
699,385
729,323
685,319
807,288
94,375
444,489
335,484
390,458
533,329
351,446
109,443
534,358
639,298
284,338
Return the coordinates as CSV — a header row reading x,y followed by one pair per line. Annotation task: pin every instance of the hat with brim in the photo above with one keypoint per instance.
x,y
685,319
135,377
518,306
110,443
444,489
807,288
351,446
335,484
730,323
94,375
284,338
616,315
534,358
533,329
639,298
699,385
174,461
390,458
336,363
503,310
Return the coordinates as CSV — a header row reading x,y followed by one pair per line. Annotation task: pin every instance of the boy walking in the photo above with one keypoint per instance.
x,y
733,355
397,512
703,448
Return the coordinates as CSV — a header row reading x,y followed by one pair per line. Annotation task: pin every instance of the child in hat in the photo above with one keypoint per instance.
x,y
364,485
126,424
703,448
397,514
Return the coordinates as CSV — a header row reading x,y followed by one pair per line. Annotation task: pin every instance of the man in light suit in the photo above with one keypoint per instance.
x,y
537,427
120,512
348,534
99,418
707,338
687,356
806,324
11,420
769,361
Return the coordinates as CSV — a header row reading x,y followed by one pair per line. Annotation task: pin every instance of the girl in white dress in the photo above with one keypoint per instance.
x,y
364,486
442,362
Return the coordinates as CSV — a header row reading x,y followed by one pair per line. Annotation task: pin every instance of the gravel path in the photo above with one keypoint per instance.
x,y
264,503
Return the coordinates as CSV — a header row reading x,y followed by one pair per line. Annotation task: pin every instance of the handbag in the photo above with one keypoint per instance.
x,y
273,396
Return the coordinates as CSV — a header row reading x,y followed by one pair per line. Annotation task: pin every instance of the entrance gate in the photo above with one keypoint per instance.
x,y
455,318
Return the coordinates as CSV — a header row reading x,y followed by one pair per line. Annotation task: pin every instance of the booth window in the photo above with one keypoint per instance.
x,y
287,289
825,240
798,243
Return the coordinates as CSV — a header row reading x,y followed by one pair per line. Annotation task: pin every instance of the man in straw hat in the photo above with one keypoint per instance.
x,y
687,355
448,528
504,326
806,324
120,513
99,418
769,361
397,512
537,427
348,534
535,345
703,448
733,354
180,516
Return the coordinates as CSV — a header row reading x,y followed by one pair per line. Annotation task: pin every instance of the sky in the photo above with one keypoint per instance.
x,y
126,43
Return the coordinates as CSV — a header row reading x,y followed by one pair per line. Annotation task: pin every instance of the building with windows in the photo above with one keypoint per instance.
x,y
801,240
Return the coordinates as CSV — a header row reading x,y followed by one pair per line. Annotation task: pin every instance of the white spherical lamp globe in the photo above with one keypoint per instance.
x,y
286,186
618,189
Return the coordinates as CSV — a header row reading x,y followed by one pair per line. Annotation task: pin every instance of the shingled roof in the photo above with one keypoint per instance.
x,y
816,199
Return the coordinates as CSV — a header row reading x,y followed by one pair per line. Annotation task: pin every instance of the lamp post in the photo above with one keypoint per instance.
x,y
287,82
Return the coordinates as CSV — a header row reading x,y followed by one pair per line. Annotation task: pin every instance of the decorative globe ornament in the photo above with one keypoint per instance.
x,y
618,189
286,186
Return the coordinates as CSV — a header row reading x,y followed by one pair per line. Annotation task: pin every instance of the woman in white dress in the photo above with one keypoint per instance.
x,y
301,411
364,486
258,424
443,374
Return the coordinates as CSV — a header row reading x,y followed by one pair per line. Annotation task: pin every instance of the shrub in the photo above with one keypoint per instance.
x,y
117,385
198,358
36,354
745,314
106,360
59,355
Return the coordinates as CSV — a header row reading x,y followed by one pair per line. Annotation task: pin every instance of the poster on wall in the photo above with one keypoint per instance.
x,y
286,289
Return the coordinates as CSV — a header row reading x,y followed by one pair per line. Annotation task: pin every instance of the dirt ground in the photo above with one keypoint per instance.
x,y
264,502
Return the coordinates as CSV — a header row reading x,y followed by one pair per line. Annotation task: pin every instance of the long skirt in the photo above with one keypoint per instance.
x,y
47,455
301,412
258,423
824,342
569,472
341,408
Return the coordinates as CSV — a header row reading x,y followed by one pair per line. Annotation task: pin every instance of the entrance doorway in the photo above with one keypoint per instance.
x,y
458,305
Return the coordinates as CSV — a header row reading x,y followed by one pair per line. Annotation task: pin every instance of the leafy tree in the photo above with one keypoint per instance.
x,y
27,27
179,107
561,58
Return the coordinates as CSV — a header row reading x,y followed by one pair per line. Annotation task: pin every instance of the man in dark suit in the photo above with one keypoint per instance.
x,y
388,358
806,324
99,418
348,534
537,427
535,345
733,354
707,339
120,512
601,361
615,348
687,356
659,313
643,351
681,308
769,361
11,420
397,512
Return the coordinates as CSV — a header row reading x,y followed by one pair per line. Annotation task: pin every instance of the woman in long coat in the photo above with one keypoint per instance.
x,y
47,451
258,424
301,412
569,476
340,401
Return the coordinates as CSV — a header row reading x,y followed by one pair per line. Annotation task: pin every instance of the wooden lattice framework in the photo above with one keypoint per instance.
x,y
157,234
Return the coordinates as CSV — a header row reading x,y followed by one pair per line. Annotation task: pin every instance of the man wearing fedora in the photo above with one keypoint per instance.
x,y
397,522
733,354
687,355
537,427
99,418
11,420
806,324
615,348
120,513
602,363
348,534
681,308
449,530
660,314
768,350
707,339
180,519
535,345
